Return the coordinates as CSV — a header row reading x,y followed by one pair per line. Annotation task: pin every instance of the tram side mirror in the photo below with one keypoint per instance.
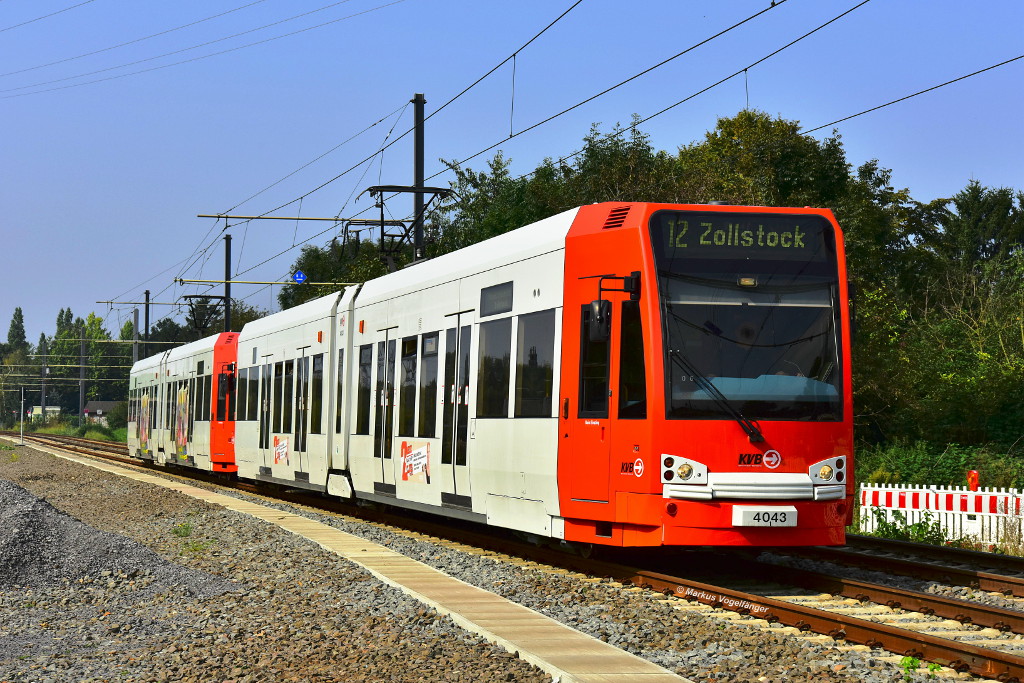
x,y
631,284
600,320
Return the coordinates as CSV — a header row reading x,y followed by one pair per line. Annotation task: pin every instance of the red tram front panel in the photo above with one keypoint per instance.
x,y
222,408
726,361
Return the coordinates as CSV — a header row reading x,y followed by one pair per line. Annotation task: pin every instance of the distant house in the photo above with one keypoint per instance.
x,y
37,412
96,411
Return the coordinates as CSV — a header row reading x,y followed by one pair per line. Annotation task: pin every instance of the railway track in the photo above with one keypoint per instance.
x,y
984,571
854,611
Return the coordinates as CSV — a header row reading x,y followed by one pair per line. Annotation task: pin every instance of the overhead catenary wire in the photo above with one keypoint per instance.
x,y
428,117
399,111
369,158
186,61
201,250
637,123
607,90
45,16
778,3
919,92
132,42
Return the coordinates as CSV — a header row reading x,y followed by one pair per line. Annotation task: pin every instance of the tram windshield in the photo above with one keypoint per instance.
x,y
750,306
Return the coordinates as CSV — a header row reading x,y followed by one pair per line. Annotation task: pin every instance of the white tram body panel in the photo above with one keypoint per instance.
x,y
173,390
443,445
285,408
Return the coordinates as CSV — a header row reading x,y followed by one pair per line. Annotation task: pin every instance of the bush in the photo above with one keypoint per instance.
x,y
96,432
925,464
118,417
924,531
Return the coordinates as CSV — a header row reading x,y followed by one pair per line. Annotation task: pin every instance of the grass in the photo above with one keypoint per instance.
x,y
96,432
897,528
1011,533
183,530
196,547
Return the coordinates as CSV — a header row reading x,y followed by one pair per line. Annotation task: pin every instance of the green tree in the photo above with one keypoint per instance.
x,y
985,226
754,159
940,283
16,332
354,260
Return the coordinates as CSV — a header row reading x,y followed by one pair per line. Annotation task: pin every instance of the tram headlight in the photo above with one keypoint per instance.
x,y
825,473
685,471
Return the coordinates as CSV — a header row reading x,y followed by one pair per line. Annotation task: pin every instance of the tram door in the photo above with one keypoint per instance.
x,y
301,410
455,424
591,428
384,415
265,389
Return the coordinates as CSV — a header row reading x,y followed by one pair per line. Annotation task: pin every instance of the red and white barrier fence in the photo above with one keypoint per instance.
x,y
988,515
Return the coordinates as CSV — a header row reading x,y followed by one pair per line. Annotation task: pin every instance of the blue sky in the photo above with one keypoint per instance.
x,y
107,158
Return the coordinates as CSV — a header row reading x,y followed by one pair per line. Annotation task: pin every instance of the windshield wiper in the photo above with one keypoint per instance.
x,y
751,430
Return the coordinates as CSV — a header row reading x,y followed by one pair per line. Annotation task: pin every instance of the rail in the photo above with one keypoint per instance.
x,y
958,655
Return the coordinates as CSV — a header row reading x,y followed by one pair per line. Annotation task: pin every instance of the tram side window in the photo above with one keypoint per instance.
x,y
242,397
428,386
337,399
494,369
223,391
632,368
180,407
278,389
289,391
197,400
252,410
407,389
593,372
317,395
168,407
204,413
535,357
154,406
193,400
365,389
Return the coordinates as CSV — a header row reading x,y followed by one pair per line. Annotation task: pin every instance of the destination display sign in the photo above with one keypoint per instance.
x,y
723,235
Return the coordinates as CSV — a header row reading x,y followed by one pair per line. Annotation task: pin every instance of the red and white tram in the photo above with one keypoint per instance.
x,y
623,374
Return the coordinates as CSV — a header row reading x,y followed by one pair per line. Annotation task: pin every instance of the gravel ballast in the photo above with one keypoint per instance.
x,y
187,591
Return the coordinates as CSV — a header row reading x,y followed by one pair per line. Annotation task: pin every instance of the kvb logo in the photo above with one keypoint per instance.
x,y
750,459
770,459
635,468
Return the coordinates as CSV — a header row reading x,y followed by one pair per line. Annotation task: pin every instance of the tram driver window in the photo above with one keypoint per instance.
x,y
593,371
632,368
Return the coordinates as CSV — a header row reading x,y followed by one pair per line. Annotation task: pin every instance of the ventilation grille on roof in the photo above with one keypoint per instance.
x,y
617,217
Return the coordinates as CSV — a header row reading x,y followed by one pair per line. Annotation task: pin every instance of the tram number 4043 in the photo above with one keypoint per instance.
x,y
764,516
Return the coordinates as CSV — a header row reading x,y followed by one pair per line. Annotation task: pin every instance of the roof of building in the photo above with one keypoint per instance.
x,y
100,406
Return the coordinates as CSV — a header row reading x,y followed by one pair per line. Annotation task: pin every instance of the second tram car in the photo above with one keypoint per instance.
x,y
625,374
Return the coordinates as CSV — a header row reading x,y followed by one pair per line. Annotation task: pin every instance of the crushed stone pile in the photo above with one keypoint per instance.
x,y
41,546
